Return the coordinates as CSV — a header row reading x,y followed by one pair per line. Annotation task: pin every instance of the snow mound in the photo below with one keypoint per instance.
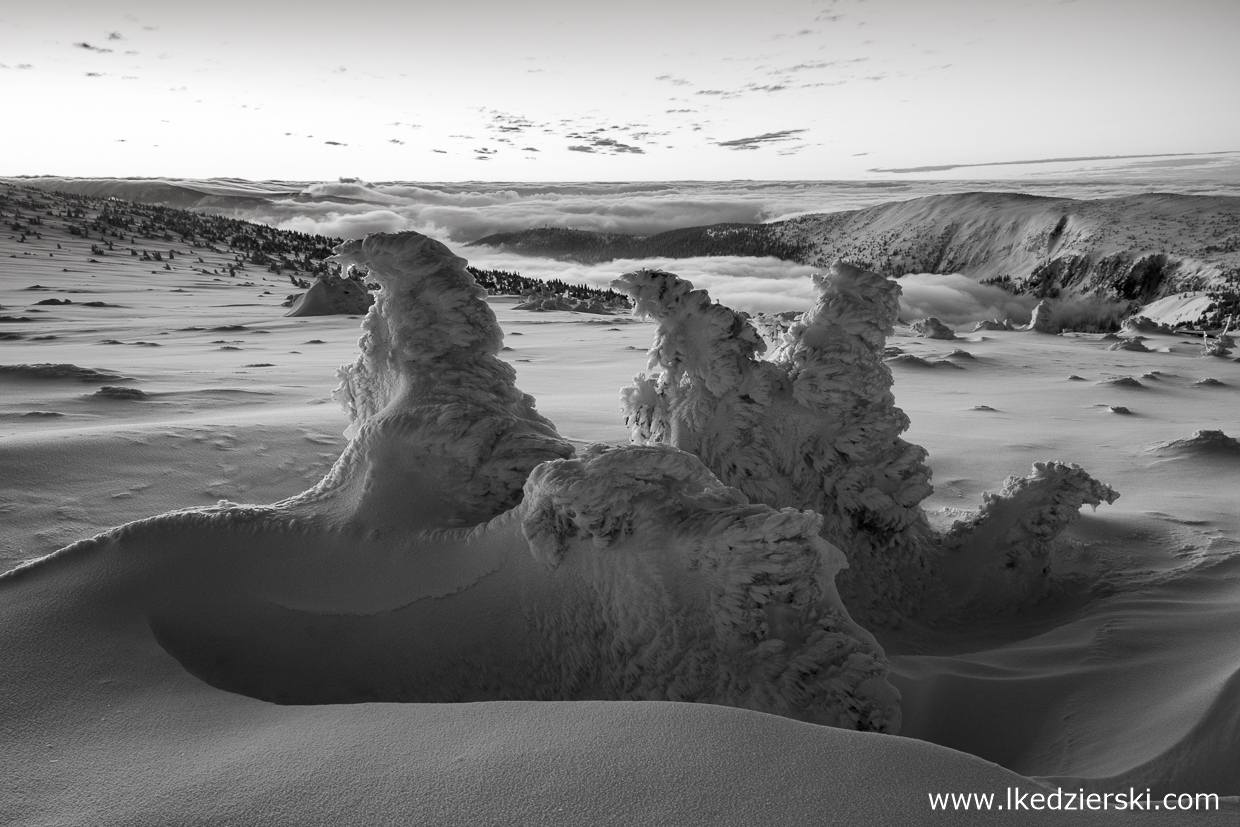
x,y
1143,324
932,328
44,370
332,295
992,324
773,634
120,392
1043,320
1130,344
1203,443
1121,382
913,361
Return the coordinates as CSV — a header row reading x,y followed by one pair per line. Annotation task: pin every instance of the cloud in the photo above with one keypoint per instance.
x,y
944,167
608,146
956,299
455,213
760,140
743,283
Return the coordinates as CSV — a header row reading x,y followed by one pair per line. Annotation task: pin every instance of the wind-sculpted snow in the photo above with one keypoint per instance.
x,y
429,388
330,295
455,553
932,328
992,324
1024,522
759,624
816,426
1043,320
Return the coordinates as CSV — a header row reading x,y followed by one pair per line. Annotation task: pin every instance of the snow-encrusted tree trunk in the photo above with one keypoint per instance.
x,y
814,427
440,432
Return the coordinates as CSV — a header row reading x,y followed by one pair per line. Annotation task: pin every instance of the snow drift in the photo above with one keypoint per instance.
x,y
456,553
332,294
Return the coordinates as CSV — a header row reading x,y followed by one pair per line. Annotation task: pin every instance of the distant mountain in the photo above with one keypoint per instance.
x,y
216,195
1136,248
94,228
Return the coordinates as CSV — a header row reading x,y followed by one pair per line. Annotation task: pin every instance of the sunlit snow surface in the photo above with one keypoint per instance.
x,y
449,556
527,565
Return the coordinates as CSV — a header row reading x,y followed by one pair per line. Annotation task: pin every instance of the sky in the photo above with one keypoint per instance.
x,y
550,90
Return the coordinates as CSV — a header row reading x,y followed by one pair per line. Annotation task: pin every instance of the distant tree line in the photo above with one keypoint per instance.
x,y
592,247
506,283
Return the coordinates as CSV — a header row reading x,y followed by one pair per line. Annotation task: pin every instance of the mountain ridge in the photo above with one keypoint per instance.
x,y
1136,248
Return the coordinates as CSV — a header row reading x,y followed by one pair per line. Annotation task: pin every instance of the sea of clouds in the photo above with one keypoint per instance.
x,y
464,212
460,213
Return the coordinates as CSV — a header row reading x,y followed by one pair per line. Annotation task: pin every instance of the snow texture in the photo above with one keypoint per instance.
x,y
455,553
550,302
1204,443
429,401
1024,521
44,370
333,294
1144,324
815,426
932,328
1043,320
732,603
